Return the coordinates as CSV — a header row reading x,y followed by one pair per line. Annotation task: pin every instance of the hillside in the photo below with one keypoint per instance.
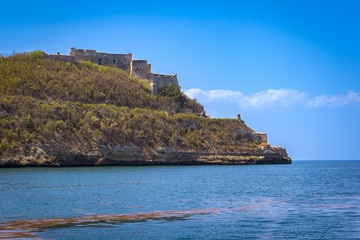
x,y
56,113
29,75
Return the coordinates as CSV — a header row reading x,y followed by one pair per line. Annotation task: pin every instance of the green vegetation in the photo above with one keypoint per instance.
x,y
29,75
173,94
43,101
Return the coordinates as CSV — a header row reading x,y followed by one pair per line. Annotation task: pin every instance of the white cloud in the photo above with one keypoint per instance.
x,y
270,97
212,95
273,98
335,100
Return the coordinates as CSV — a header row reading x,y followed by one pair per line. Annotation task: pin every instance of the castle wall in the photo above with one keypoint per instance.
x,y
62,58
140,69
260,137
122,61
154,89
163,80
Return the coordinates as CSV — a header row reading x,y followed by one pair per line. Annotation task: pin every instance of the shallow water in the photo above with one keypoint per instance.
x,y
305,200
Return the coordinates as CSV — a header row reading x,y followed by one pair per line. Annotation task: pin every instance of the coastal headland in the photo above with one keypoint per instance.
x,y
54,155
97,109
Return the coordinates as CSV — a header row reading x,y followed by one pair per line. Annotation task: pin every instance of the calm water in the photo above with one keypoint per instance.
x,y
305,200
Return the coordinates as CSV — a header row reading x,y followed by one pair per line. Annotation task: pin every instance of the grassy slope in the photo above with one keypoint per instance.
x,y
87,105
29,75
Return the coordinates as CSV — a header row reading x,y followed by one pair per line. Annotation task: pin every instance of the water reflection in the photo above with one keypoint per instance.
x,y
28,228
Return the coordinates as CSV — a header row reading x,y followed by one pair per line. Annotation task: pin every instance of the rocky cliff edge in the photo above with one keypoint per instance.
x,y
56,155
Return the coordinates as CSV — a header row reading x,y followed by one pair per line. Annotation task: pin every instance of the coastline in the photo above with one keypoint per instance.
x,y
56,155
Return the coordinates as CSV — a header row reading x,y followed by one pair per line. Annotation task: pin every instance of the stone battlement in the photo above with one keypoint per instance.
x,y
137,68
260,137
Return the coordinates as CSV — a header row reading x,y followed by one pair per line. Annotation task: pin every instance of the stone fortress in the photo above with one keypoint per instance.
x,y
137,68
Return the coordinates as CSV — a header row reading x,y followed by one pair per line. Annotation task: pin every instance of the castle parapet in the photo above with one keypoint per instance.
x,y
162,80
122,61
58,57
140,69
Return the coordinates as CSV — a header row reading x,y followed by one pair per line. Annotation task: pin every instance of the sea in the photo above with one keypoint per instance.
x,y
304,200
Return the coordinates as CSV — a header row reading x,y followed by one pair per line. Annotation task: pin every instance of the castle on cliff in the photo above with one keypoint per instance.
x,y
137,68
142,70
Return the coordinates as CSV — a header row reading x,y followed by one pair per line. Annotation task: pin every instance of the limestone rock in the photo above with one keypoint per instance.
x,y
54,154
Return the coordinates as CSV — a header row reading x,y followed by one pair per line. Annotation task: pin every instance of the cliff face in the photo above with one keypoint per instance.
x,y
50,155
60,114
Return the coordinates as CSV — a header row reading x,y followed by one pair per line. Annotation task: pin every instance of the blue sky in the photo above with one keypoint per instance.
x,y
290,68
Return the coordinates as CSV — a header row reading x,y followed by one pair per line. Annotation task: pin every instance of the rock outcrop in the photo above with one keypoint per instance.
x,y
56,155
